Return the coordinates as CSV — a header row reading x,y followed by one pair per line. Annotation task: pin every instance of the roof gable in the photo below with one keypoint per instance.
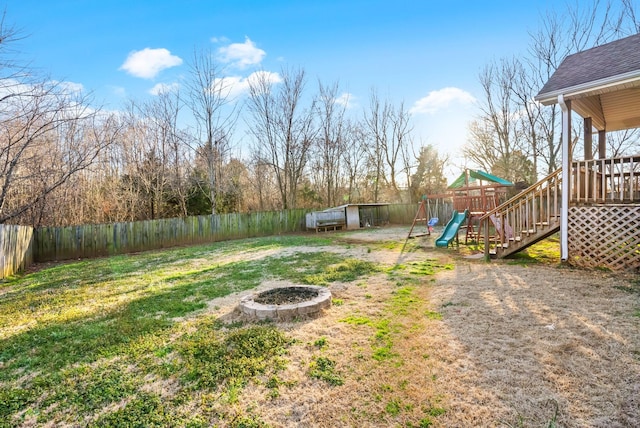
x,y
602,83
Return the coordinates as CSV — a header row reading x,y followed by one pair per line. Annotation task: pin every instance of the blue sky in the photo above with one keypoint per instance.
x,y
425,53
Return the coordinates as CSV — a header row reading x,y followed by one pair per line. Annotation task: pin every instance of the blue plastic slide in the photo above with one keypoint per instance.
x,y
451,230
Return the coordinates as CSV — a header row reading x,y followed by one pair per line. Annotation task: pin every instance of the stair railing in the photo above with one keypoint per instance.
x,y
537,207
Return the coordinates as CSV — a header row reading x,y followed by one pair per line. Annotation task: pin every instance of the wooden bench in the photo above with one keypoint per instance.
x,y
325,225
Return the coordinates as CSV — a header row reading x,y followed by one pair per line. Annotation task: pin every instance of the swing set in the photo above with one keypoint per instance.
x,y
424,215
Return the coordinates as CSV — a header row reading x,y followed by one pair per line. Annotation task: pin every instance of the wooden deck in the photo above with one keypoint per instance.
x,y
604,215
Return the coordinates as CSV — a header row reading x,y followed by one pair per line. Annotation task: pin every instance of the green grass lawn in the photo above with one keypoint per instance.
x,y
78,337
100,342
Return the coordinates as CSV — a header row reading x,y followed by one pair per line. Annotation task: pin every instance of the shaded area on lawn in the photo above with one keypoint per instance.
x,y
65,357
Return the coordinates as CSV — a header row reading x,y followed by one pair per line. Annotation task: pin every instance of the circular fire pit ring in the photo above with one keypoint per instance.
x,y
286,303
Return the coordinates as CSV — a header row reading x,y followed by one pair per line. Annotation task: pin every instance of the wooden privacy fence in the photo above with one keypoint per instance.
x,y
16,249
21,246
86,241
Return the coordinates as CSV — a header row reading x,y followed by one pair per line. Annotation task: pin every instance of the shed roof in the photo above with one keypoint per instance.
x,y
364,204
602,82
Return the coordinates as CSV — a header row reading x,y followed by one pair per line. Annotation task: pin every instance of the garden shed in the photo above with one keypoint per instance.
x,y
349,216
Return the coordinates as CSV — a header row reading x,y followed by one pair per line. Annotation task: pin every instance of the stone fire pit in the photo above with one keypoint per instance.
x,y
286,303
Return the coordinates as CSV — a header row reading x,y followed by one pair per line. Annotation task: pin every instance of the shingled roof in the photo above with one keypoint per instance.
x,y
602,82
617,58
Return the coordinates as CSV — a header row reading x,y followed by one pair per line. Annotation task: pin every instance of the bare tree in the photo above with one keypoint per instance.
x,y
496,142
236,184
330,143
81,199
283,129
623,143
42,142
145,151
215,112
389,130
354,159
397,149
120,192
377,122
263,191
162,114
631,24
578,27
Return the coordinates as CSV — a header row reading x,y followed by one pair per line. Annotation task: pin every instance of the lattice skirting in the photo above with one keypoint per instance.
x,y
605,236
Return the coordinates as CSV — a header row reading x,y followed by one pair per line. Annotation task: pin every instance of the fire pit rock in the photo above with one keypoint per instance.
x,y
286,303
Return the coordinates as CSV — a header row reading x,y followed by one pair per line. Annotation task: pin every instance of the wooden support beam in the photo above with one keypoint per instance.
x,y
602,144
588,138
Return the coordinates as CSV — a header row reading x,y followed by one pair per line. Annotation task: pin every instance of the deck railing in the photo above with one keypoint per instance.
x,y
535,213
475,203
614,180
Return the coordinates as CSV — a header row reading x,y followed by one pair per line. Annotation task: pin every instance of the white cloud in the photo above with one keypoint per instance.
x,y
70,87
231,86
13,87
441,99
163,88
236,86
242,55
16,90
267,76
148,62
346,99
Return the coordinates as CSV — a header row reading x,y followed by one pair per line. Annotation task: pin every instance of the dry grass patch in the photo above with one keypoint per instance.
x,y
539,346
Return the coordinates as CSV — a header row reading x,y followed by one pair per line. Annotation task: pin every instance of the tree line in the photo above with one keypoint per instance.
x,y
65,162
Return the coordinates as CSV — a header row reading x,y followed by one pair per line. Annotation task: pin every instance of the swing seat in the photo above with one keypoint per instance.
x,y
432,222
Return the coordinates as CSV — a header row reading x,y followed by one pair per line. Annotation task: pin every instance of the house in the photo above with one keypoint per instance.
x,y
594,203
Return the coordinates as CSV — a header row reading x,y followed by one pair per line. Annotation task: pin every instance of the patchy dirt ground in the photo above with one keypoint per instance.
x,y
495,344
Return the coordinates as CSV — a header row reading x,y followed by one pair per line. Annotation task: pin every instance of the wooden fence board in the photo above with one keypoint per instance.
x,y
16,249
405,213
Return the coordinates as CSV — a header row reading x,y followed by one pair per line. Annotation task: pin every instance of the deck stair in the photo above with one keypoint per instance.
x,y
528,217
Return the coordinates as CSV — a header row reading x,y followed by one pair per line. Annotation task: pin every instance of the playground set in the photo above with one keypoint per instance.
x,y
473,194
